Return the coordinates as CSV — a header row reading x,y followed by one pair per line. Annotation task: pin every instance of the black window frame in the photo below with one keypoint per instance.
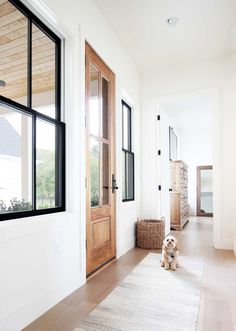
x,y
60,127
128,151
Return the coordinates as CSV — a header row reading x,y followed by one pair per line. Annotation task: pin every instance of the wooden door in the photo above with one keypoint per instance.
x,y
204,191
100,178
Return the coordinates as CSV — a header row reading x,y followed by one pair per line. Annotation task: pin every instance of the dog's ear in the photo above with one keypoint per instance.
x,y
176,244
164,244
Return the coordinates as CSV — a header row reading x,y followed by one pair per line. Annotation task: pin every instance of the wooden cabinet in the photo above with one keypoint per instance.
x,y
179,208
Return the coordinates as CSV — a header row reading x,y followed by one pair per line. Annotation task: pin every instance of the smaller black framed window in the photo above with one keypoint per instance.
x,y
127,154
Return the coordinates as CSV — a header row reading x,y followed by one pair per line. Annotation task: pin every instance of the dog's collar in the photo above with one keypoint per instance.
x,y
171,254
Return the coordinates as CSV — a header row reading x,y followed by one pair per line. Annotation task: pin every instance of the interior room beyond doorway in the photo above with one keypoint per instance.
x,y
186,132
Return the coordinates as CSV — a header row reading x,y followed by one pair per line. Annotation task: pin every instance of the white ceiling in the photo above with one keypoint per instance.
x,y
206,29
190,113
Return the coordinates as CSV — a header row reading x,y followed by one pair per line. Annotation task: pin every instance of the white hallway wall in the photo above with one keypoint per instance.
x,y
220,73
43,258
195,150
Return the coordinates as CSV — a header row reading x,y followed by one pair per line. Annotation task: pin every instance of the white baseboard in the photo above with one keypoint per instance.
x,y
125,247
35,308
223,244
234,246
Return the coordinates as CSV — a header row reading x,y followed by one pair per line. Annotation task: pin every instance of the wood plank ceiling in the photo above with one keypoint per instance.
x,y
13,55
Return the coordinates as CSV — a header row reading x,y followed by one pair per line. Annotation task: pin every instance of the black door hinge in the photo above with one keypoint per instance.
x,y
159,187
159,152
158,117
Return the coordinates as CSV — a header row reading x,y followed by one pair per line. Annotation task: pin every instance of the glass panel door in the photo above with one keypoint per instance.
x,y
205,191
100,167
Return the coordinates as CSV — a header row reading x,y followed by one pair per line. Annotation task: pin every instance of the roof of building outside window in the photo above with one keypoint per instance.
x,y
10,140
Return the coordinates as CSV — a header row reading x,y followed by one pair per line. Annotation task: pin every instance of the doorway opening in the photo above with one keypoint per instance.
x,y
186,132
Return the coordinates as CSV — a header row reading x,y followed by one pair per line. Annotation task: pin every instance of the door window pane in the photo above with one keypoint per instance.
x,y
43,72
105,106
94,118
94,172
105,172
13,50
15,161
45,165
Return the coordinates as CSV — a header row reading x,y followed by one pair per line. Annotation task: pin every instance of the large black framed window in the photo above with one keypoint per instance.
x,y
32,133
128,155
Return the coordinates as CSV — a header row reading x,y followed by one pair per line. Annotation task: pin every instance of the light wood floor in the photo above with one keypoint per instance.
x,y
218,299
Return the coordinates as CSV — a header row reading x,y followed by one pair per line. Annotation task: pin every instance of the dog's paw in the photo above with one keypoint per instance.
x,y
167,267
173,268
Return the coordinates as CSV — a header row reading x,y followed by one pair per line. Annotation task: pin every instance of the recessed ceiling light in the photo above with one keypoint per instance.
x,y
2,83
172,20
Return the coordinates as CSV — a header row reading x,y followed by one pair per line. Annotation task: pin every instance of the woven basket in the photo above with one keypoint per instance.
x,y
150,233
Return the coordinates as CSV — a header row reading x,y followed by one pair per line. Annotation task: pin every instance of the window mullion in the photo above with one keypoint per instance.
x,y
126,177
34,162
29,71
58,81
29,82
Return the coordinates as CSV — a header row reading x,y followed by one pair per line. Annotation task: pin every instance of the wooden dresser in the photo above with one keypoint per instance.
x,y
179,208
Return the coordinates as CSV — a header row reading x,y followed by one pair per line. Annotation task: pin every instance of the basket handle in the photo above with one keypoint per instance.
x,y
163,219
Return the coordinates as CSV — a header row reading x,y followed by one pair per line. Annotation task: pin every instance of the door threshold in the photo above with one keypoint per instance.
x,y
101,267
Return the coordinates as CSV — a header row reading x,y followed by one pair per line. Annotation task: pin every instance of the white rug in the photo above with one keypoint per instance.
x,y
151,298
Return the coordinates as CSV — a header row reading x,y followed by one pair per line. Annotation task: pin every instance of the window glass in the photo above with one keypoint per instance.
x,y
43,72
15,161
130,175
45,165
94,172
105,174
13,53
105,105
94,112
126,127
206,191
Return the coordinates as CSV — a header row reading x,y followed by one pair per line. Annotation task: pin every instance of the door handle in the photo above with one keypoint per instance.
x,y
106,187
114,185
